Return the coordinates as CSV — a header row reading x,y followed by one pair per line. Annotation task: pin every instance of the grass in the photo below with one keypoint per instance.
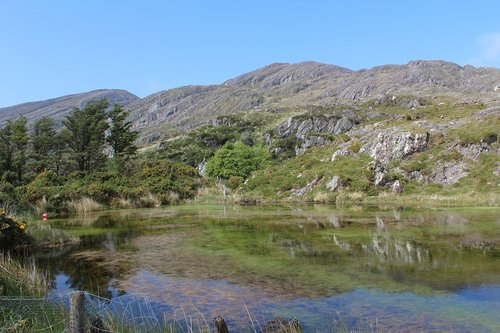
x,y
46,236
277,182
84,205
21,279
476,131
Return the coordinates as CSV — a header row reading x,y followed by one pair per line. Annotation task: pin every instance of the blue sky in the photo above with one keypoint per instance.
x,y
52,48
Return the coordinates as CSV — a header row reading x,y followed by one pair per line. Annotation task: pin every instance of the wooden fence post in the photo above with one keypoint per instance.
x,y
77,312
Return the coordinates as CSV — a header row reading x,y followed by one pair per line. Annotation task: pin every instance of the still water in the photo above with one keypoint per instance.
x,y
396,270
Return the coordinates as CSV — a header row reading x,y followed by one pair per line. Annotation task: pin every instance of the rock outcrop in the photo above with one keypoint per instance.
x,y
301,126
448,173
333,184
397,187
303,190
395,143
313,131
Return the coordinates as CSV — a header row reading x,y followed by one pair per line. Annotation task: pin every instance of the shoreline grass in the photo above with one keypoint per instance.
x,y
18,278
45,236
470,199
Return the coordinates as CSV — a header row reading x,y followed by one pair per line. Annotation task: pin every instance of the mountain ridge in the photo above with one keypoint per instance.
x,y
309,83
58,107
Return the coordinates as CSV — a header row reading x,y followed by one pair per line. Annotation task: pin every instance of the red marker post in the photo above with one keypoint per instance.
x,y
45,217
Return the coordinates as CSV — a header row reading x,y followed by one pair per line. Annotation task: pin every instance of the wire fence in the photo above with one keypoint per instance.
x,y
81,312
30,314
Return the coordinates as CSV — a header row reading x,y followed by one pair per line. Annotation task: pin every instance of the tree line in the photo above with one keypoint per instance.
x,y
90,137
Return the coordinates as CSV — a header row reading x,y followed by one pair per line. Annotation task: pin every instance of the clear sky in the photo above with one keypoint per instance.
x,y
52,48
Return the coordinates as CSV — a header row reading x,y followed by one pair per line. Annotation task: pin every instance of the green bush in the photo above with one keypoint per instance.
x,y
237,160
12,232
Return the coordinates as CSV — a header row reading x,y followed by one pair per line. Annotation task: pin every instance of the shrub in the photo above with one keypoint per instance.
x,y
237,160
235,181
12,232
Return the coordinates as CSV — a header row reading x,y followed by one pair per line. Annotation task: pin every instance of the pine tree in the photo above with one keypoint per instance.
x,y
19,145
87,129
6,152
62,162
121,137
43,145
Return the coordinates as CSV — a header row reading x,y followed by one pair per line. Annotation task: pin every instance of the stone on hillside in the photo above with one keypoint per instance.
x,y
202,168
303,190
397,187
413,104
343,125
415,175
340,152
300,127
378,173
393,144
473,151
311,141
276,151
268,139
448,173
333,184
379,179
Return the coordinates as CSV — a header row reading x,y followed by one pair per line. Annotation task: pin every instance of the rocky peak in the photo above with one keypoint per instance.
x,y
282,74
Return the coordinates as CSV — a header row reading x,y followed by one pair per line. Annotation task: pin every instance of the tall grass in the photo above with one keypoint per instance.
x,y
84,205
149,200
17,278
40,206
45,236
463,199
122,203
7,208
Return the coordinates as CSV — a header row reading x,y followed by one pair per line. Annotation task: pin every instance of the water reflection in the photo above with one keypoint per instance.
x,y
216,257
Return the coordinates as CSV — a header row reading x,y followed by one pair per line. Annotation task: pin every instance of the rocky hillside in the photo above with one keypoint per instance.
x,y
290,85
283,86
57,108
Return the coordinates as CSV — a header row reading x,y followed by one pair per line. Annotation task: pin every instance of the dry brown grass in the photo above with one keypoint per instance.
x,y
149,200
121,203
324,197
84,205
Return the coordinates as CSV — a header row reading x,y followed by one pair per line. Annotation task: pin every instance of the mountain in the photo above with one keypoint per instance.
x,y
280,86
309,84
57,108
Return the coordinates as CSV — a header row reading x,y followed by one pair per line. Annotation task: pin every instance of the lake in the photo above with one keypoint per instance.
x,y
371,268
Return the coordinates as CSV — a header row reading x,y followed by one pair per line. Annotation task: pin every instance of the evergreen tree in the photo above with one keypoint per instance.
x,y
6,152
62,162
121,137
19,145
43,145
87,128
